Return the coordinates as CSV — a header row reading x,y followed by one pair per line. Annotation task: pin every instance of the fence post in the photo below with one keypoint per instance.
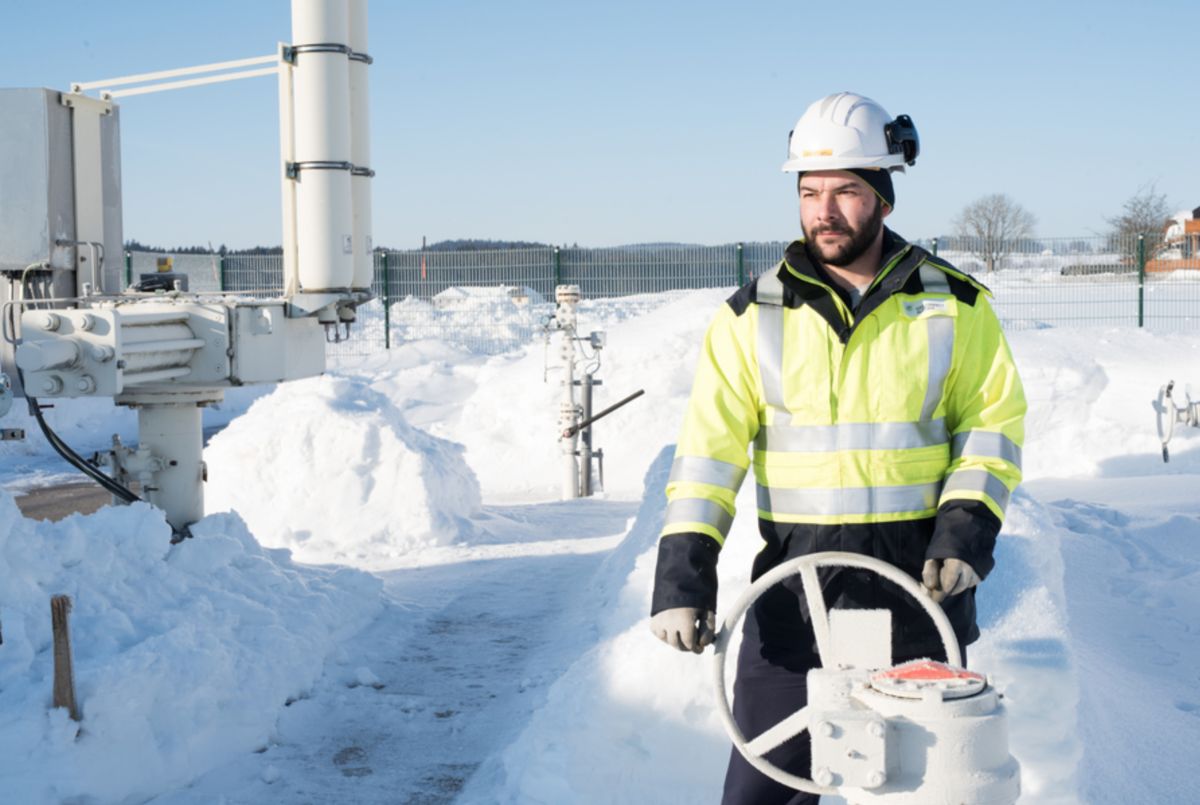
x,y
387,298
1141,264
741,266
128,269
557,269
935,247
222,285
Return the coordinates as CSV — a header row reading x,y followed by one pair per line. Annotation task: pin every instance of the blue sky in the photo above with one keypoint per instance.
x,y
619,122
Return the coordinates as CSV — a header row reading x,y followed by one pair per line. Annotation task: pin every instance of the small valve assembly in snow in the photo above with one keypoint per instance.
x,y
919,733
575,419
1169,413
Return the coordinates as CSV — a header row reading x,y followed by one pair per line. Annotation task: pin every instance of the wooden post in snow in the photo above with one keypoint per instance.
x,y
64,674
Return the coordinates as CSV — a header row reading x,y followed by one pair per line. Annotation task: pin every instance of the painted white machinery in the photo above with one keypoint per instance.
x,y
922,733
1170,414
70,331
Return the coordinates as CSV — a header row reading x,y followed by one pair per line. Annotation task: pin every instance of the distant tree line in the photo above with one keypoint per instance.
x,y
464,245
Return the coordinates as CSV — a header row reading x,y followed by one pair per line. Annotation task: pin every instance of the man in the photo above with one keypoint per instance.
x,y
886,418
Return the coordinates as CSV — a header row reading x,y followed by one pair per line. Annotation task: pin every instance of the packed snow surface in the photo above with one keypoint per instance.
x,y
389,602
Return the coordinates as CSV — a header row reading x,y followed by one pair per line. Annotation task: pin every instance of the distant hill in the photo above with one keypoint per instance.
x,y
664,245
475,245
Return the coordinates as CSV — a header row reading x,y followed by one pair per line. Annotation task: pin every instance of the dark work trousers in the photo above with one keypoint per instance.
x,y
772,684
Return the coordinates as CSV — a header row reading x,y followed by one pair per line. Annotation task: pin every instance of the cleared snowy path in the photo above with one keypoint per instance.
x,y
446,676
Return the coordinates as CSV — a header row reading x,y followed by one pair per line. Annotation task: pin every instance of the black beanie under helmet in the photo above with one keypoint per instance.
x,y
879,180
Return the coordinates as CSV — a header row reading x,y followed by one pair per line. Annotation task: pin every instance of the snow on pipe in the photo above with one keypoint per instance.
x,y
323,159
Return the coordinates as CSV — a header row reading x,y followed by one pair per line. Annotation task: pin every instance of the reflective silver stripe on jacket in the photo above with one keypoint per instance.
x,y
699,510
933,279
977,481
849,501
852,436
986,443
695,469
940,331
769,292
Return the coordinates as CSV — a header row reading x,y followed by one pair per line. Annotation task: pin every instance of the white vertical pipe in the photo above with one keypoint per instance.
x,y
324,218
567,297
172,432
360,148
287,154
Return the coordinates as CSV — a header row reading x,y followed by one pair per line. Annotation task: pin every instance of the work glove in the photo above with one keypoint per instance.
x,y
685,628
946,577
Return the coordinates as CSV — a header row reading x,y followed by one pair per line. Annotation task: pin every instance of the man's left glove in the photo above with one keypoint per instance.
x,y
685,628
946,577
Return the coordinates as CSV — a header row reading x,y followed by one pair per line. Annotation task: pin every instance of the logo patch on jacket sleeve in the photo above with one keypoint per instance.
x,y
918,307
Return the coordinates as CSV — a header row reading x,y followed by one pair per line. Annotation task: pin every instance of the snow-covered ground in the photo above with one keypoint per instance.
x,y
401,609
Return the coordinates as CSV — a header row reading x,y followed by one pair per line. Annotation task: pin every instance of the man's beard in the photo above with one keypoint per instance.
x,y
843,254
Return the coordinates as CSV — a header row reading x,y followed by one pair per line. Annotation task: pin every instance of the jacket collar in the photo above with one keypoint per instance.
x,y
810,282
800,261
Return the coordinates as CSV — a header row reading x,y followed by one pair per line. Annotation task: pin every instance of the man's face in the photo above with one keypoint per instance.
x,y
840,214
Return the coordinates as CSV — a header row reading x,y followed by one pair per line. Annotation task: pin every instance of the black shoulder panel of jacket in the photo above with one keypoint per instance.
x,y
686,574
746,295
966,530
964,290
742,298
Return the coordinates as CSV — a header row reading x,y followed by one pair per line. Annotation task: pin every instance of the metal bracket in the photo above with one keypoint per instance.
x,y
77,100
290,52
294,168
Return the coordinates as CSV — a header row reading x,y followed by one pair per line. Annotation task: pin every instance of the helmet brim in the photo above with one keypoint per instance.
x,y
893,162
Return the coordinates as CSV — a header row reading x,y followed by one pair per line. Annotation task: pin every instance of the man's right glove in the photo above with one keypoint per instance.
x,y
685,628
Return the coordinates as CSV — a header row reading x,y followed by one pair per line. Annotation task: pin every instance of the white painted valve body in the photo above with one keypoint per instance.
x,y
910,743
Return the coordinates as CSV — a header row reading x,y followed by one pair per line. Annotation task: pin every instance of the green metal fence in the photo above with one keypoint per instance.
x,y
493,301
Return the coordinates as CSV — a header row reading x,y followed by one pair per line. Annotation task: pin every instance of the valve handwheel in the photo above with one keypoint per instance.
x,y
755,749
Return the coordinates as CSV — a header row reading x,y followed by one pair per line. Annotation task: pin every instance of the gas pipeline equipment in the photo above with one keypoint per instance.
x,y
575,418
919,733
1170,414
70,330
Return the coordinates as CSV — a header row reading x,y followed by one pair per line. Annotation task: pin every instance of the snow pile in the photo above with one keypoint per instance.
x,y
183,655
1091,396
330,468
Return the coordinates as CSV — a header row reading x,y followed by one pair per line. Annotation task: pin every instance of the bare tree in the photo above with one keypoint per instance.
x,y
1146,212
992,226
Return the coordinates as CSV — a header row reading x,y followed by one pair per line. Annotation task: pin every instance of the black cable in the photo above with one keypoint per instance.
x,y
113,486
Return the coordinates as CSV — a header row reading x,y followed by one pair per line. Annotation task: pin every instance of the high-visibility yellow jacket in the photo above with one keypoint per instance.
x,y
893,430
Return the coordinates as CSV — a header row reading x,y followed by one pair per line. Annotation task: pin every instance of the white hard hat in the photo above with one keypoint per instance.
x,y
846,131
